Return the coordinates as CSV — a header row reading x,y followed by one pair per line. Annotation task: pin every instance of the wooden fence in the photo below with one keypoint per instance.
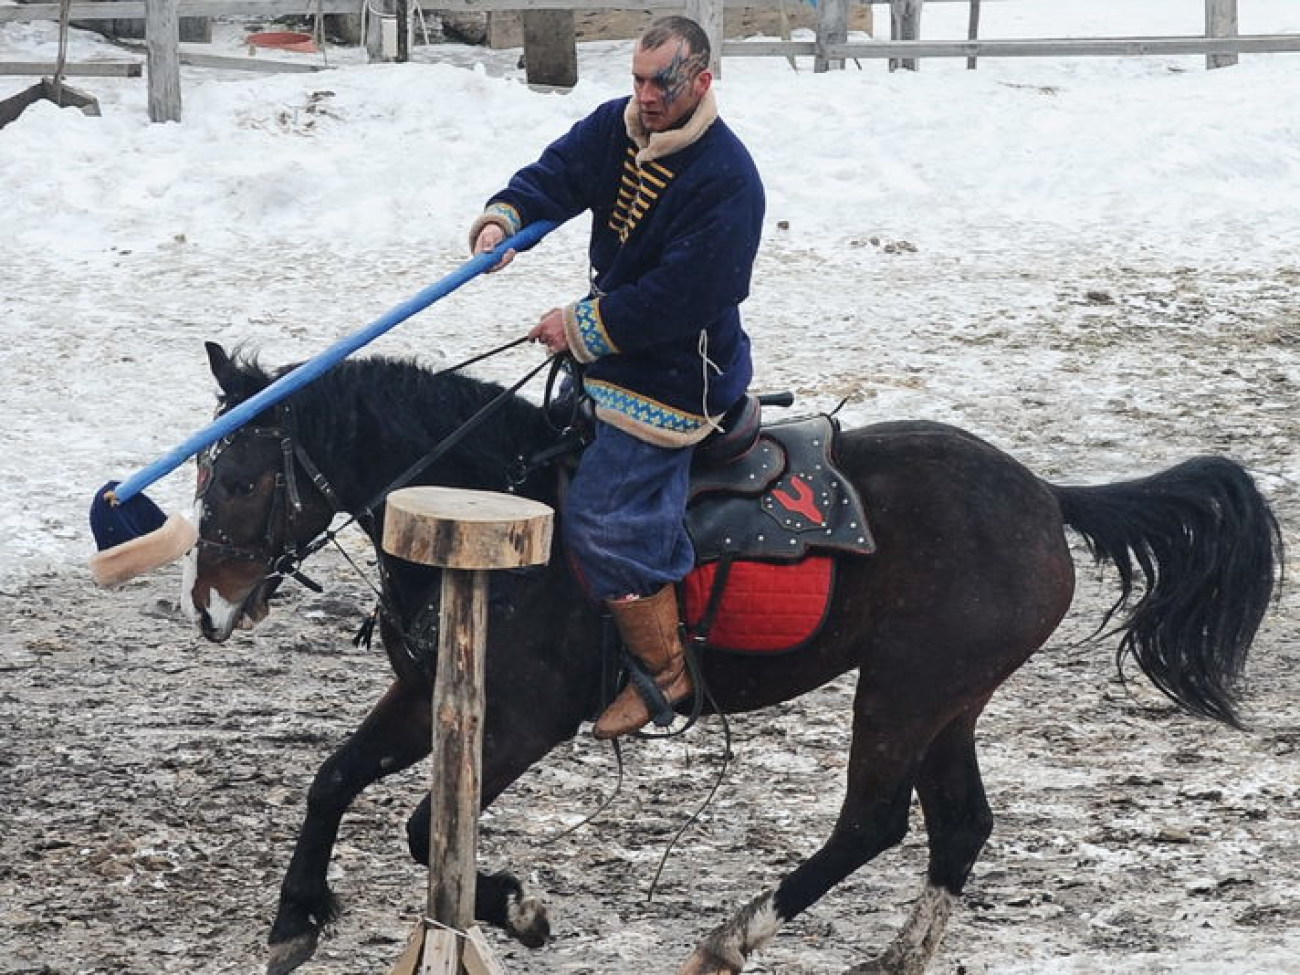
x,y
1220,43
830,48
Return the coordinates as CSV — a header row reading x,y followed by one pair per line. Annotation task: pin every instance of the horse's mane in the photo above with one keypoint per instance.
x,y
366,405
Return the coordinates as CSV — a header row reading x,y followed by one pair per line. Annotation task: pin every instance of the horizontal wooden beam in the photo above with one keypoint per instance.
x,y
462,6
84,69
134,9
270,9
256,64
260,65
1064,47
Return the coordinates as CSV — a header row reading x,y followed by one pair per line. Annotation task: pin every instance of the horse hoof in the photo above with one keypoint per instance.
x,y
889,963
527,921
706,963
285,956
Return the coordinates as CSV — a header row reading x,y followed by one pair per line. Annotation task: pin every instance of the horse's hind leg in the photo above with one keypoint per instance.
x,y
958,822
393,736
887,748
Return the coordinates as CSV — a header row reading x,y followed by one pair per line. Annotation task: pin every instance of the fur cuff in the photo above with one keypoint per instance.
x,y
502,214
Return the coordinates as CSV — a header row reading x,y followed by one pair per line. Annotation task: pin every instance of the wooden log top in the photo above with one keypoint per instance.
x,y
456,528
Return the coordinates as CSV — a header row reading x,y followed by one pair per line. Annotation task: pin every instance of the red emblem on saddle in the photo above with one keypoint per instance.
x,y
801,502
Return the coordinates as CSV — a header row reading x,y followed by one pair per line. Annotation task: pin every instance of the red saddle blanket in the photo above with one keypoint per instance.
x,y
764,607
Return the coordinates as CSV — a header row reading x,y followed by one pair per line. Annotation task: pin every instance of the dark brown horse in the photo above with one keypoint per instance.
x,y
971,576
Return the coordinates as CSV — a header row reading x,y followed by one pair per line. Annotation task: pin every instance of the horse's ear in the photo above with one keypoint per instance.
x,y
223,368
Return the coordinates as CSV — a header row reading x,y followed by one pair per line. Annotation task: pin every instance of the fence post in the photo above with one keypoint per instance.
x,y
905,25
973,30
163,60
708,14
832,28
550,48
1220,21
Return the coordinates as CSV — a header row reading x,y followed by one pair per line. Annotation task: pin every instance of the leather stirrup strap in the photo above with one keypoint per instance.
x,y
700,632
661,712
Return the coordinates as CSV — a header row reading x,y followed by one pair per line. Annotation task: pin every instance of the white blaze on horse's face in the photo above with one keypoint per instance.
x,y
225,579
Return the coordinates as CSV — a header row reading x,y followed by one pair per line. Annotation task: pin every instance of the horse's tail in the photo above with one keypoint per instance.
x,y
1209,551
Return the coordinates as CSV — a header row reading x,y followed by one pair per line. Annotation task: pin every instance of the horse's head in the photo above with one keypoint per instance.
x,y
254,505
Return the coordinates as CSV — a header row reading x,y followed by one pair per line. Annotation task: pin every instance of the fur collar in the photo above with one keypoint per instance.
x,y
657,145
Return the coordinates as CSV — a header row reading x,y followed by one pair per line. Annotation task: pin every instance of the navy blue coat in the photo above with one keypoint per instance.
x,y
673,241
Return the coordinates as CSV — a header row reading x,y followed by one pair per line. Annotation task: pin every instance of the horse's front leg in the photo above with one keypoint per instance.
x,y
500,898
393,736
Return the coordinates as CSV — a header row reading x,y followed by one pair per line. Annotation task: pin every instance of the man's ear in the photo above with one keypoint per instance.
x,y
703,82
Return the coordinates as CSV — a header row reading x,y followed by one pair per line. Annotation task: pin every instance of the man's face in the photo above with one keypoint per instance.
x,y
667,83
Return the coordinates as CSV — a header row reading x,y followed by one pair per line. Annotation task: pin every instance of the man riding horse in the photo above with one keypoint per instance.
x,y
677,213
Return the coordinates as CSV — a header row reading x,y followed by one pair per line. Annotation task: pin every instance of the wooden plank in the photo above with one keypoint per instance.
x,y
262,65
62,95
1066,47
477,955
461,6
84,69
409,961
441,953
135,9
1220,21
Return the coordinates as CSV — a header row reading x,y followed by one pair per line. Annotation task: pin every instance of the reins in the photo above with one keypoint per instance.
x,y
289,562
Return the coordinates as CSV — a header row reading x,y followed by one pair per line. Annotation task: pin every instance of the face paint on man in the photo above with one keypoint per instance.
x,y
677,75
668,82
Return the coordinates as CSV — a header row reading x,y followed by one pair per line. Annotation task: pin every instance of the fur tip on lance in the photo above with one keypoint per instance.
x,y
114,566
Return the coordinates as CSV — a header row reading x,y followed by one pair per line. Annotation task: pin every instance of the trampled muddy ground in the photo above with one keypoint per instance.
x,y
151,783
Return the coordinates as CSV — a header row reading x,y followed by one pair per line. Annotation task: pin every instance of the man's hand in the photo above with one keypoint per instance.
x,y
550,332
489,238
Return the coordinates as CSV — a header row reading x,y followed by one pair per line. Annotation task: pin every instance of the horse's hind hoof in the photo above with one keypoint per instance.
x,y
527,920
285,956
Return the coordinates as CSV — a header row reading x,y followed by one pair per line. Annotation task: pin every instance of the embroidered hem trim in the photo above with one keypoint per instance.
x,y
585,330
645,418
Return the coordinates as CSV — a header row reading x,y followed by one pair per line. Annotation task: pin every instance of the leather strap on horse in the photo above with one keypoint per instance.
x,y
700,632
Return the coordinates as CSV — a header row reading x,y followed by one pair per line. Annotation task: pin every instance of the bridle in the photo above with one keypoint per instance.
x,y
286,502
275,553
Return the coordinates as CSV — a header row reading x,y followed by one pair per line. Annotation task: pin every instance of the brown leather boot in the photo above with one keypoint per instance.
x,y
649,628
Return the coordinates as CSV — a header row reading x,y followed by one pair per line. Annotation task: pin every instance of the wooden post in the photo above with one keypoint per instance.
x,y
832,28
403,12
550,48
1220,21
163,60
465,533
385,26
905,25
973,31
708,14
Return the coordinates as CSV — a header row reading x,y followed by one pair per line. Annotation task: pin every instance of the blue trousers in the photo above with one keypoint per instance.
x,y
622,518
